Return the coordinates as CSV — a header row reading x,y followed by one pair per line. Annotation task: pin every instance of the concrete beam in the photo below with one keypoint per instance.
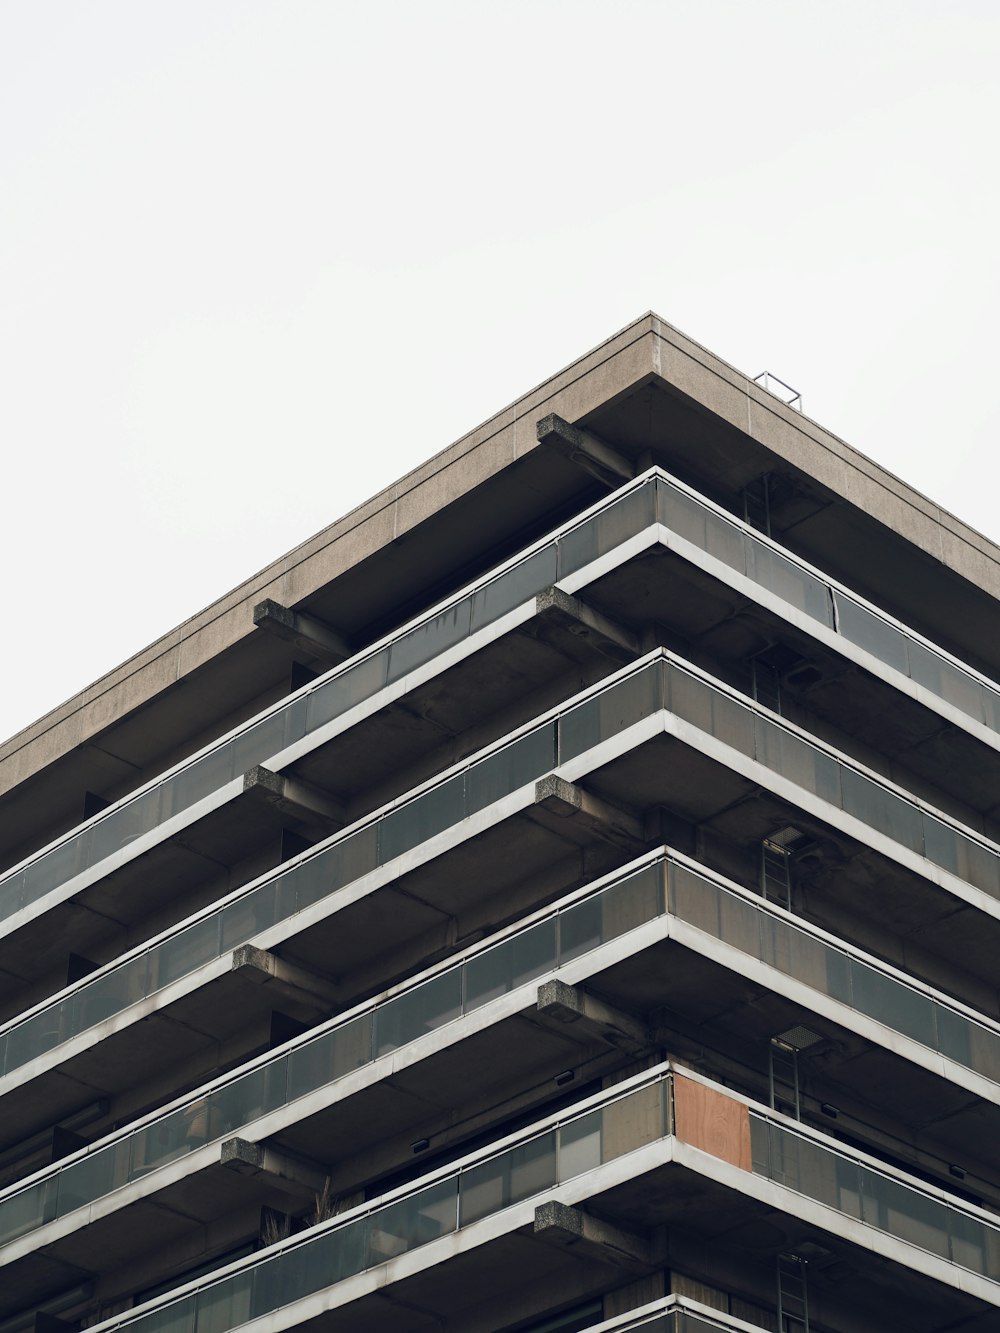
x,y
260,967
558,1224
569,1005
603,633
558,800
307,632
290,1174
585,449
290,796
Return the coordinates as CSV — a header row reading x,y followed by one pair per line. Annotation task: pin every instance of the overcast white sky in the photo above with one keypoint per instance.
x,y
260,257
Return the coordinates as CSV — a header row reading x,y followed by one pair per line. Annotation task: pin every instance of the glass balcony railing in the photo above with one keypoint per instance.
x,y
377,841
319,1060
861,983
266,738
764,562
560,1149
663,883
654,498
657,682
856,1187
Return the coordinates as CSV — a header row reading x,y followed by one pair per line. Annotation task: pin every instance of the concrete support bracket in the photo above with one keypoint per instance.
x,y
242,1156
262,968
290,1174
557,800
557,1224
610,638
307,632
585,449
569,1005
290,796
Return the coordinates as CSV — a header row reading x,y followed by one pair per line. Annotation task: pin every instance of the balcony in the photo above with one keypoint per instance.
x,y
594,732
655,509
638,1155
644,941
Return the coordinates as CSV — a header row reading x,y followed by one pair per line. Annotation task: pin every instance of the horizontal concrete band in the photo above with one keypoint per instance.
x,y
627,358
690,1141
648,350
664,925
745,585
523,609
686,732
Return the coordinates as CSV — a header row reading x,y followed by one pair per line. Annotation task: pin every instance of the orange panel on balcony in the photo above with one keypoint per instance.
x,y
711,1121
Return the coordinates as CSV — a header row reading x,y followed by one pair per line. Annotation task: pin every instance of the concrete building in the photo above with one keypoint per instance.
x,y
562,895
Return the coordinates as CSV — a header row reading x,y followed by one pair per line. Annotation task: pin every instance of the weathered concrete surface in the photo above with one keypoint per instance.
x,y
648,351
611,368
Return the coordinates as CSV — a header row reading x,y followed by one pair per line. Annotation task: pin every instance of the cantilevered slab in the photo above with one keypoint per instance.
x,y
646,394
